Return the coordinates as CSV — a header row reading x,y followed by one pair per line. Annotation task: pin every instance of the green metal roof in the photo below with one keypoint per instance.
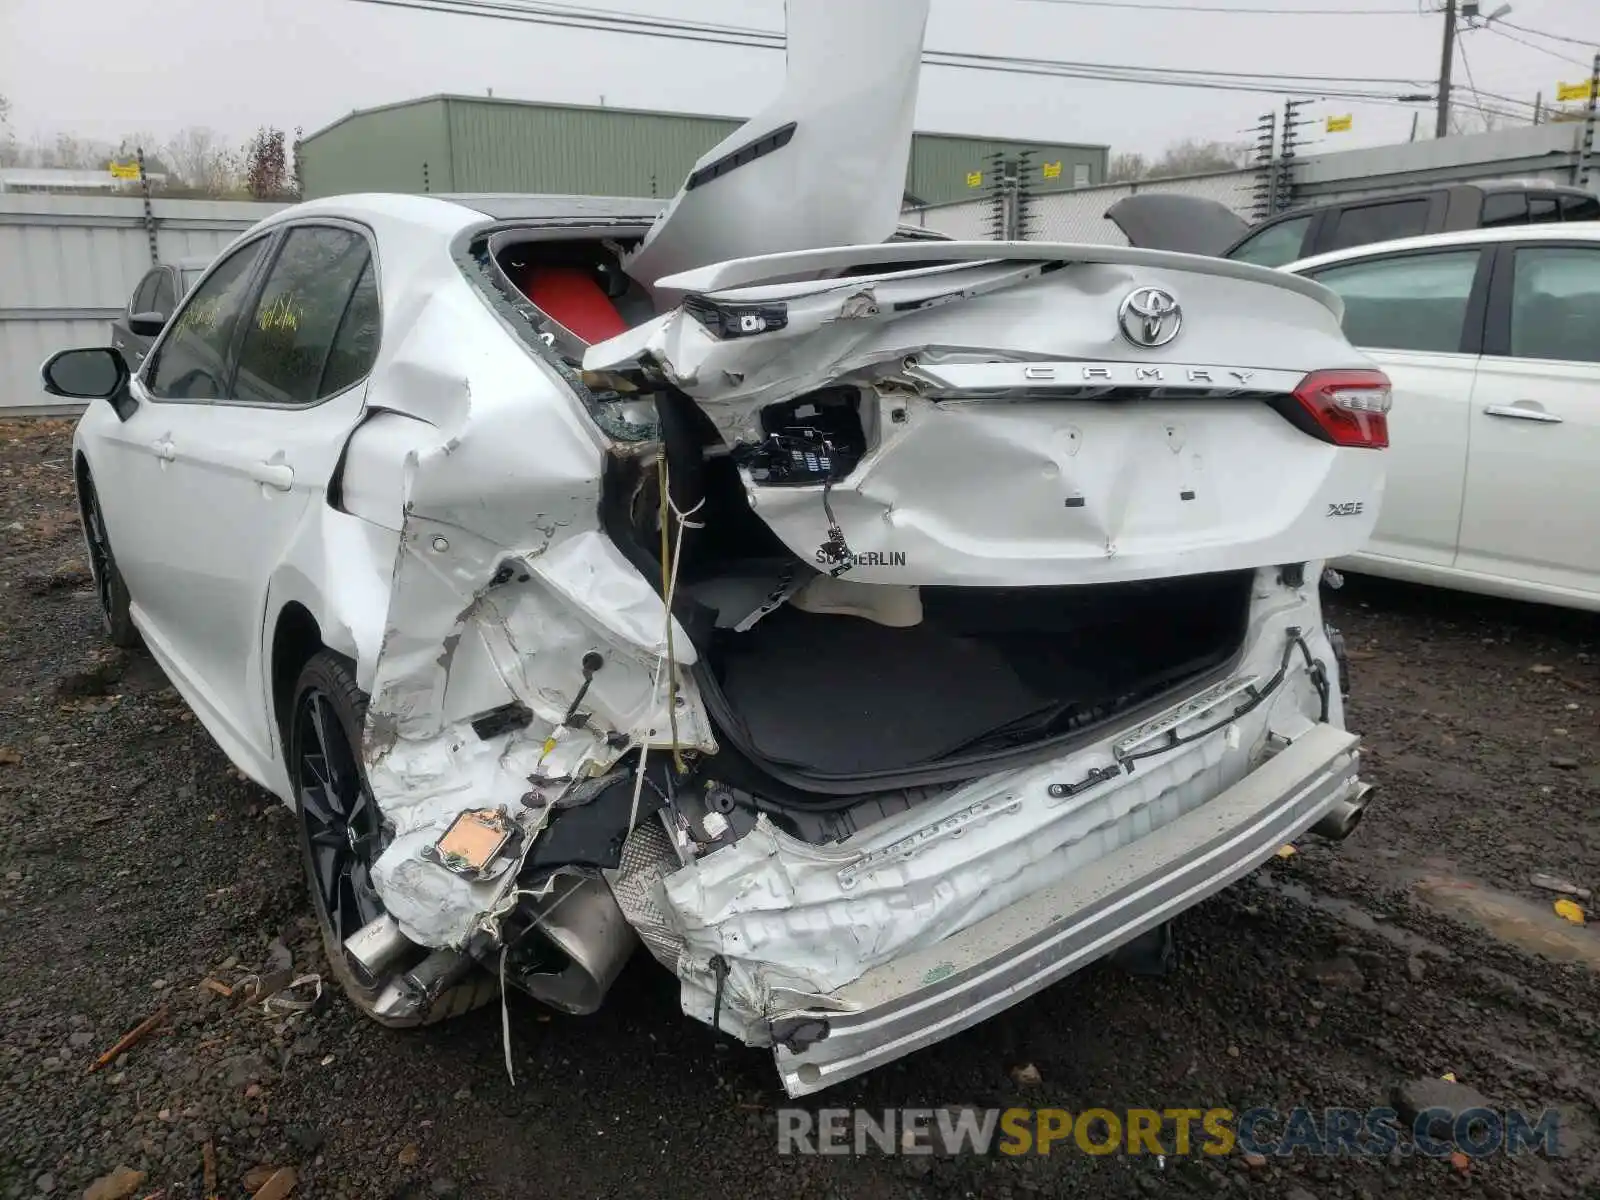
x,y
489,144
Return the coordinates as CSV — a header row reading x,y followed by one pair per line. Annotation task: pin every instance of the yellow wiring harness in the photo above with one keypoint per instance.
x,y
669,581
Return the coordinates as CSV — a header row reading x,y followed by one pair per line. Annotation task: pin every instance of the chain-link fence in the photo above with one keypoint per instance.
x,y
971,220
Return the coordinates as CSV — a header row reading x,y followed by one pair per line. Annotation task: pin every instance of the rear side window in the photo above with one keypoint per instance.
x,y
1504,208
289,341
1543,209
143,299
166,298
1275,245
192,362
1555,304
1368,223
355,346
1408,302
1580,208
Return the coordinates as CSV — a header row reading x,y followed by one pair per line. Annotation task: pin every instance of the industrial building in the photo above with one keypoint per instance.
x,y
489,144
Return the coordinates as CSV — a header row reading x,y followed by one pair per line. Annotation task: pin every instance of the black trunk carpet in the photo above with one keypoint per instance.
x,y
846,696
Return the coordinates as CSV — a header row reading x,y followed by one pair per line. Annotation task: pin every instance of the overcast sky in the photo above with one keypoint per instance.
x,y
103,68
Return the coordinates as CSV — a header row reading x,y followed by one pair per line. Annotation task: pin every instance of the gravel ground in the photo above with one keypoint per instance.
x,y
134,864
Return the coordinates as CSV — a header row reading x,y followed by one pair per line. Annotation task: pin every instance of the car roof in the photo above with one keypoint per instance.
x,y
1577,231
1523,185
531,208
1486,187
452,212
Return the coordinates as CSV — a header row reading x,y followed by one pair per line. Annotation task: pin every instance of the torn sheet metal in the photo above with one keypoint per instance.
x,y
502,590
977,375
824,164
795,921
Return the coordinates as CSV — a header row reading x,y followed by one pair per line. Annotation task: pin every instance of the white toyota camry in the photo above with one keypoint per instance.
x,y
878,629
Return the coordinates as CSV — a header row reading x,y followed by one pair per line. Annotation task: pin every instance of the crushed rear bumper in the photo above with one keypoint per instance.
x,y
928,995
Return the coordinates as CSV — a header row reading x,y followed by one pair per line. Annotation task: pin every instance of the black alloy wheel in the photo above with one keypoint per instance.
x,y
339,819
342,833
110,589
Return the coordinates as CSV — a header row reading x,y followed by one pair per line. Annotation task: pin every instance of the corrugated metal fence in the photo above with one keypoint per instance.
x,y
69,263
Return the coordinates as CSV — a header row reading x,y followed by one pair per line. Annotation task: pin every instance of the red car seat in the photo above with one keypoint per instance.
x,y
572,296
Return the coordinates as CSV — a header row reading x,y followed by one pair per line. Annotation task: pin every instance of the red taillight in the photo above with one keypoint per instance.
x,y
1350,408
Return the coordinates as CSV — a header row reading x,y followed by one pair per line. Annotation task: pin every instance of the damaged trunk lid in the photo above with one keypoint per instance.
x,y
823,165
1172,221
1027,414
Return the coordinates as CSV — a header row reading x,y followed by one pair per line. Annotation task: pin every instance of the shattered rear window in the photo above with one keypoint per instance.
x,y
614,410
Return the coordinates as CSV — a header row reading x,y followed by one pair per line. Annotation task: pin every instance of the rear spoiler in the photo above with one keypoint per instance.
x,y
822,268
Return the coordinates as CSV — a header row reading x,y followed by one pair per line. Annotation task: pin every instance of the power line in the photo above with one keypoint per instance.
x,y
1221,8
1528,104
1185,71
615,16
1554,37
1535,45
637,24
1340,87
1472,83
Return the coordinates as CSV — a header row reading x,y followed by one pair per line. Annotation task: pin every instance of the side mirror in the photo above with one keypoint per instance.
x,y
147,324
95,373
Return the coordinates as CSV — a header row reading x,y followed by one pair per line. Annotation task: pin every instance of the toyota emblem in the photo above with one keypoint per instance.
x,y
1150,317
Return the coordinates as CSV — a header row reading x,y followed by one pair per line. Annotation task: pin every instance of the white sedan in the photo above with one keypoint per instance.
x,y
877,630
1492,340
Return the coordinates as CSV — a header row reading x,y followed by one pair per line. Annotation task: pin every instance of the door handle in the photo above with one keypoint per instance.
x,y
164,449
1522,412
277,475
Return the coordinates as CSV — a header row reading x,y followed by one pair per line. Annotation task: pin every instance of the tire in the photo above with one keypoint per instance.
x,y
340,834
108,581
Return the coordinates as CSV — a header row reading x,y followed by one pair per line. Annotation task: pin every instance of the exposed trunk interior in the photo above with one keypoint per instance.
x,y
985,670
824,678
844,693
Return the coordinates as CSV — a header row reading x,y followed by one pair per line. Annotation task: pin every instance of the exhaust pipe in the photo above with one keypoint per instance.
x,y
586,926
407,998
1340,821
375,950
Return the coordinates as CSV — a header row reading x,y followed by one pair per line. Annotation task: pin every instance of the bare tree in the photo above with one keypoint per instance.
x,y
155,161
1192,156
1126,167
10,152
200,161
1465,119
73,153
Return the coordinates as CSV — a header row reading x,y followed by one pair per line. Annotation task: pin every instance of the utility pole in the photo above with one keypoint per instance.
x,y
1446,61
1538,109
